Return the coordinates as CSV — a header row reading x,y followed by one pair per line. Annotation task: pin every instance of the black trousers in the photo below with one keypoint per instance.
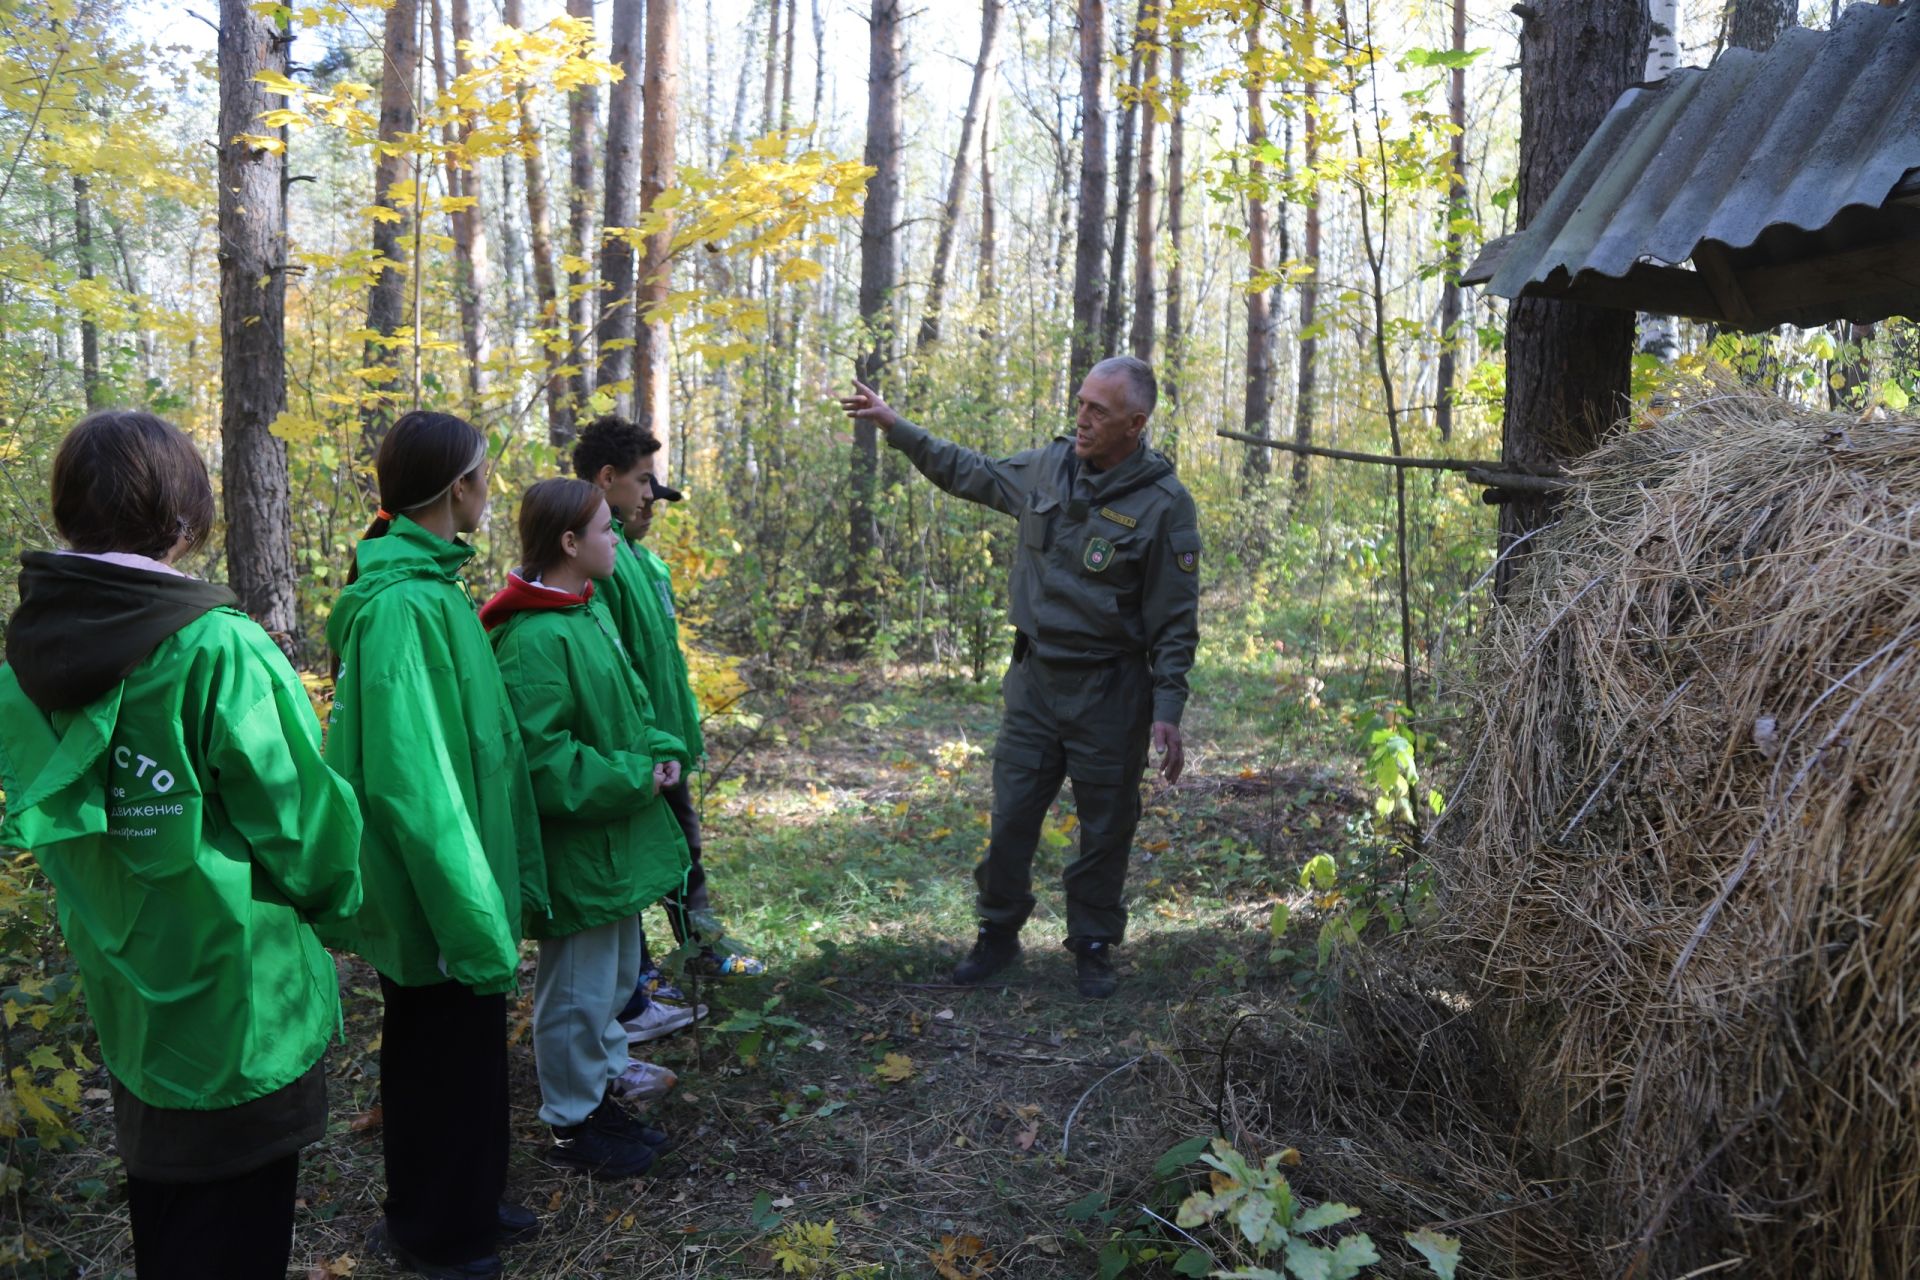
x,y
443,1090
238,1228
692,896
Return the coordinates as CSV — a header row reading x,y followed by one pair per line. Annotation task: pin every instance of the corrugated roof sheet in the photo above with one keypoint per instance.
x,y
1788,140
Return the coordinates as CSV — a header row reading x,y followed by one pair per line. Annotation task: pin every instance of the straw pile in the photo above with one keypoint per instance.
x,y
1687,859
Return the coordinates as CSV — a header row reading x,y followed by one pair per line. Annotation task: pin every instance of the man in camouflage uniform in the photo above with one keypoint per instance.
x,y
1105,602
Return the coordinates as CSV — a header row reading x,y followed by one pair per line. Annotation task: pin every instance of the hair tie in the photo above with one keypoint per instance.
x,y
383,514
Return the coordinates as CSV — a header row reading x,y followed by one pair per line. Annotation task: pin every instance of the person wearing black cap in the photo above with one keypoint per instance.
x,y
618,456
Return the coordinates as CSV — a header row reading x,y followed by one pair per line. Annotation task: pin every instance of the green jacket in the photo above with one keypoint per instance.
x,y
1108,562
191,830
639,598
422,729
612,844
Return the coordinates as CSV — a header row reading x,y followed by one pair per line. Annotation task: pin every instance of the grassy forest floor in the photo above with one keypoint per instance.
x,y
1010,1131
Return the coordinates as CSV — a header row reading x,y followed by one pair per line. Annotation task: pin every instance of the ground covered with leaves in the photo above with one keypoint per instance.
x,y
852,1114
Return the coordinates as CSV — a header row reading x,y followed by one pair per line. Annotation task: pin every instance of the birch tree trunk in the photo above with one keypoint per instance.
x,y
659,126
1089,289
984,69
1660,335
253,294
473,273
616,322
83,257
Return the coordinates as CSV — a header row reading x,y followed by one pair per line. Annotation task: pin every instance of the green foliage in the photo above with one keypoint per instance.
x,y
764,1031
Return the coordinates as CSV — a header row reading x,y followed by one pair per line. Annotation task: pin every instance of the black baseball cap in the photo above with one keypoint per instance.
x,y
664,492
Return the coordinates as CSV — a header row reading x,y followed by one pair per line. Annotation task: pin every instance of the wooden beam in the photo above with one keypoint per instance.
x,y
1716,268
1666,291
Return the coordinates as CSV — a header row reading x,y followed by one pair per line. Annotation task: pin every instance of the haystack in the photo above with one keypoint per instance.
x,y
1687,853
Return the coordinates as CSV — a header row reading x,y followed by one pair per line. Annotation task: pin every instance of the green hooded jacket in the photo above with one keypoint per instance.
x,y
422,729
173,791
639,599
612,844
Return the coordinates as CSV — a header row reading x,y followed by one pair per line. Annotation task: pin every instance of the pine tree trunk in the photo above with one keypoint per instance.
x,y
583,112
984,69
878,275
1568,366
549,321
400,61
1123,181
660,125
253,294
1456,208
1140,338
83,257
467,226
1172,372
616,327
1759,24
1258,412
1089,291
1307,387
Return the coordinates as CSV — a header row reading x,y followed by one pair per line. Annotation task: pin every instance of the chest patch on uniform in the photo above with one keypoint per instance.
x,y
1118,518
1099,554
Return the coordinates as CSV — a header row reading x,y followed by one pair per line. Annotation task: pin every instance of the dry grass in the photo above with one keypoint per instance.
x,y
1687,869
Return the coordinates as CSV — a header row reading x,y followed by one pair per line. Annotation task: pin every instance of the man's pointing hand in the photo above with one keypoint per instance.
x,y
865,405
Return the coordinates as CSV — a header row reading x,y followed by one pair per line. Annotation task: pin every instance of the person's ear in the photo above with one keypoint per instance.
x,y
604,476
570,543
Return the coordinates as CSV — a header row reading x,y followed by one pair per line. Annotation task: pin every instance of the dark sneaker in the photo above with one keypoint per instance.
x,y
993,951
517,1224
617,1120
596,1147
1095,965
380,1242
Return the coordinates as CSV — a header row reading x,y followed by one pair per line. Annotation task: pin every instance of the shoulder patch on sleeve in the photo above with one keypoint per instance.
x,y
1185,544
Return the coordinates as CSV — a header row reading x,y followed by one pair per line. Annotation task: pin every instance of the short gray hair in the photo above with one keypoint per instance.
x,y
1143,392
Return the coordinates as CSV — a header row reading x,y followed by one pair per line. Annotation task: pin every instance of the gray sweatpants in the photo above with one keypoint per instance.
x,y
579,1045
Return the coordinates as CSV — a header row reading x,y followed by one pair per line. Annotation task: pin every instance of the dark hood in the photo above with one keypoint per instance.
x,y
83,625
1141,468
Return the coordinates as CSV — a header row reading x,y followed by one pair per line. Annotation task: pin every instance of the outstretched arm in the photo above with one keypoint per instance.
x,y
1000,483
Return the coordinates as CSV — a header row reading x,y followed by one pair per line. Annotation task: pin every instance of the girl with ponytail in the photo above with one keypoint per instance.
x,y
451,856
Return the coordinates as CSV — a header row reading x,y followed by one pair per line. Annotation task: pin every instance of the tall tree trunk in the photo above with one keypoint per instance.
x,y
583,112
819,60
83,256
1568,366
1456,208
1176,214
400,62
771,71
1140,338
1660,335
1259,403
1089,292
786,68
984,69
469,228
989,282
551,321
1759,24
1123,180
1307,386
253,295
616,327
878,268
659,127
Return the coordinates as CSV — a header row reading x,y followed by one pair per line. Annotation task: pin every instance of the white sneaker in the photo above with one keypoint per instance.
x,y
643,1081
658,1020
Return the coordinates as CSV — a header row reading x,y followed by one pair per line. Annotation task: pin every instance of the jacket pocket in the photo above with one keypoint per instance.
x,y
1037,519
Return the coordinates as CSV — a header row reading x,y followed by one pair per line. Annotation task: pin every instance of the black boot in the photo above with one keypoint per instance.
x,y
517,1224
1095,965
993,950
